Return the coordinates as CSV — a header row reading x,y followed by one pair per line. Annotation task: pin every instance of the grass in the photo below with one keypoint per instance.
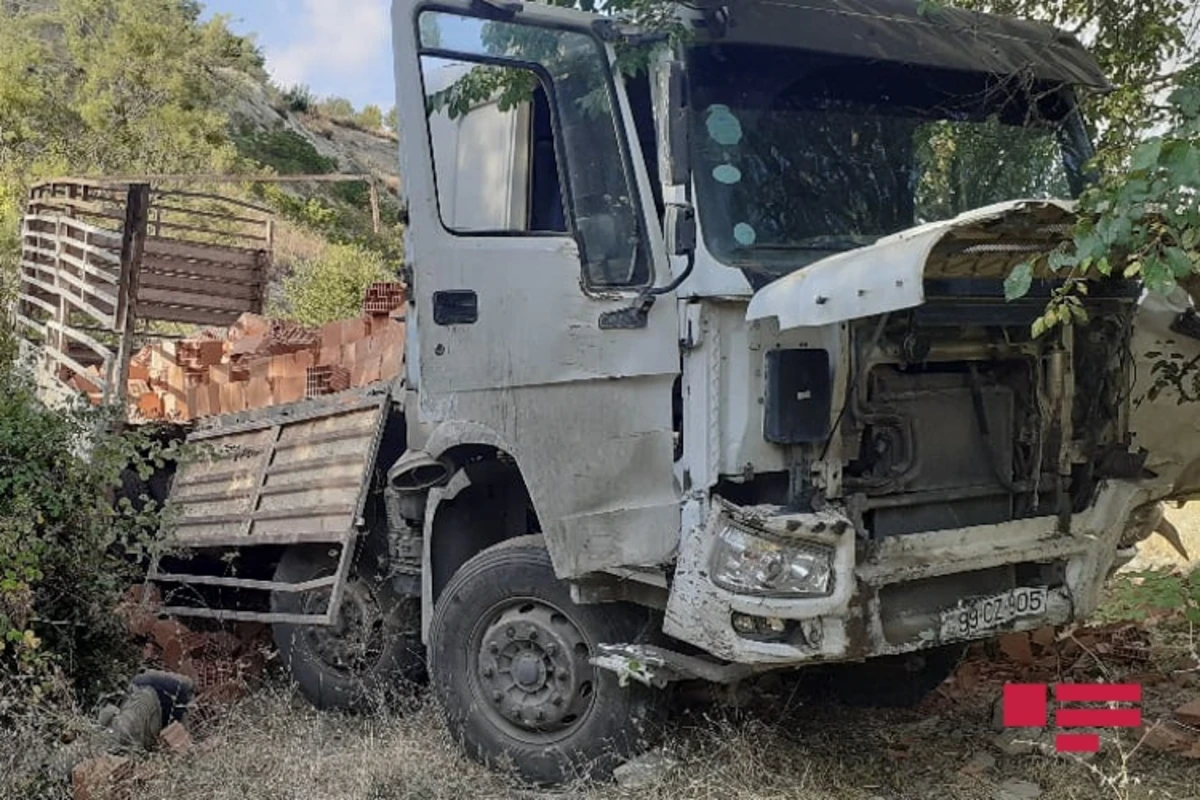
x,y
779,744
776,742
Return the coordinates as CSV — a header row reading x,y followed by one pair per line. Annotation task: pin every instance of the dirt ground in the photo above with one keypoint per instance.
x,y
781,742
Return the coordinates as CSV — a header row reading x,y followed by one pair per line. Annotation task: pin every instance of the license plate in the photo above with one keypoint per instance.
x,y
971,618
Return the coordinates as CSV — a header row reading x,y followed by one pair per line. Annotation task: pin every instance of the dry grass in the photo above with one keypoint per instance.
x,y
780,744
273,746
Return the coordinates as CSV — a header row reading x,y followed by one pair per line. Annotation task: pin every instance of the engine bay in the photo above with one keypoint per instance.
x,y
956,416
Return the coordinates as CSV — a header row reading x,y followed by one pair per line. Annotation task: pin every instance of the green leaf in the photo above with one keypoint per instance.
x,y
1158,273
1187,100
1146,155
1062,258
1017,284
1039,327
1181,264
1089,246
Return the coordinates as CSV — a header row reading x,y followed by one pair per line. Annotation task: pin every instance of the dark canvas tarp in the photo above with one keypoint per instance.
x,y
895,30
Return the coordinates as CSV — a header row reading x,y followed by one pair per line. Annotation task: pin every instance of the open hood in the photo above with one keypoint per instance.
x,y
890,274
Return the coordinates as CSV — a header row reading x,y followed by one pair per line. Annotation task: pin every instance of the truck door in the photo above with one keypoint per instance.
x,y
530,216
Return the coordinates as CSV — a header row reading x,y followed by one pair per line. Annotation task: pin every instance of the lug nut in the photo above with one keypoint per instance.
x,y
497,696
552,649
511,631
558,701
533,635
488,672
493,648
541,715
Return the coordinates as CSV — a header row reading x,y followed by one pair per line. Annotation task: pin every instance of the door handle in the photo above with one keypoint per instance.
x,y
456,307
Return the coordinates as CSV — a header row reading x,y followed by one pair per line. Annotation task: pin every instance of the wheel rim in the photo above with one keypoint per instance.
x,y
355,642
531,672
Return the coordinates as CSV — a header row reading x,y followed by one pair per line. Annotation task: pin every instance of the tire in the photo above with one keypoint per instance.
x,y
373,651
508,595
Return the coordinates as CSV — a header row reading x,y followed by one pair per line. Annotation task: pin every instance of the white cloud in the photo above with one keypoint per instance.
x,y
339,38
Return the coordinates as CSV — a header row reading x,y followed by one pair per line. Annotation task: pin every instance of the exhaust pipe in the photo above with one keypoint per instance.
x,y
417,471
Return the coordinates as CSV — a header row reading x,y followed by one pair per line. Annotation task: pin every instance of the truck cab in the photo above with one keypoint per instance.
x,y
719,318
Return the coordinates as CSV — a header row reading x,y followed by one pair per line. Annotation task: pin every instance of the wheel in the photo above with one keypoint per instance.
x,y
509,655
373,649
891,681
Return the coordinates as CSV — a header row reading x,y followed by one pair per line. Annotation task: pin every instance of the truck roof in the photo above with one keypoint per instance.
x,y
906,31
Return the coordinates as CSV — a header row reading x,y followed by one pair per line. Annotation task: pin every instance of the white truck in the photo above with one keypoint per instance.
x,y
709,373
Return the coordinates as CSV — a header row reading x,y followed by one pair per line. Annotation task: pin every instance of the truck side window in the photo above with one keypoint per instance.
x,y
525,140
495,160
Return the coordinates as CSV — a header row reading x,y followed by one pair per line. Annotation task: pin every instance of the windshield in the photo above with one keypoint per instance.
x,y
797,155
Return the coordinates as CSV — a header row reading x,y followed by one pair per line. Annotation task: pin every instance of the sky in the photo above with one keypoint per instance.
x,y
336,47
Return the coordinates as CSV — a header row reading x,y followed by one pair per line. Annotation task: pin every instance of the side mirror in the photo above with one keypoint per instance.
x,y
679,229
671,117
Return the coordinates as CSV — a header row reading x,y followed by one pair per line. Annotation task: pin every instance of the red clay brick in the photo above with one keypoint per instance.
x,y
176,738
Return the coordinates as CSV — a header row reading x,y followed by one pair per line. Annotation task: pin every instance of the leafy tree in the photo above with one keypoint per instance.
x,y
391,120
1141,220
110,86
1136,42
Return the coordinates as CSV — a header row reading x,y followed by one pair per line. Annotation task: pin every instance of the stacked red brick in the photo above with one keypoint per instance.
x,y
259,362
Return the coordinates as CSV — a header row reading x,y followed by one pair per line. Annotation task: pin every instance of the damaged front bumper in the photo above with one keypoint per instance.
x,y
897,595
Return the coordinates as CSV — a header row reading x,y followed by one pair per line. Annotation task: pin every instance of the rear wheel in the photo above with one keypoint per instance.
x,y
509,662
372,650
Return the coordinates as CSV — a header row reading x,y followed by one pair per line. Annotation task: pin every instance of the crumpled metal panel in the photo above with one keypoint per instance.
x,y
889,275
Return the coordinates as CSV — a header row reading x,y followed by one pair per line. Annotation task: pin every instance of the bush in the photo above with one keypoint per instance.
x,y
285,151
63,543
336,108
343,217
370,118
299,99
332,285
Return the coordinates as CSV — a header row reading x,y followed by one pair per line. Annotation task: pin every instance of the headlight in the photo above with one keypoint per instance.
x,y
748,564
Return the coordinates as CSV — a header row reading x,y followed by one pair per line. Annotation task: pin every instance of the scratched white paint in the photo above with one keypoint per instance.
x,y
585,412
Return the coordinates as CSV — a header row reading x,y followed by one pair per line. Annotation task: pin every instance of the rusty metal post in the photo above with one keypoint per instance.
x,y
133,245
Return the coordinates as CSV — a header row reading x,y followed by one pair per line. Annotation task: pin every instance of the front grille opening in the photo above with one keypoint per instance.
x,y
907,610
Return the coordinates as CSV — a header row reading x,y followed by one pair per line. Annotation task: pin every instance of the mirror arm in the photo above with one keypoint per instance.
x,y
675,284
681,235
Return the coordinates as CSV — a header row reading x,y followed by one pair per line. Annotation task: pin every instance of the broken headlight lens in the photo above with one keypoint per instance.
x,y
747,564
